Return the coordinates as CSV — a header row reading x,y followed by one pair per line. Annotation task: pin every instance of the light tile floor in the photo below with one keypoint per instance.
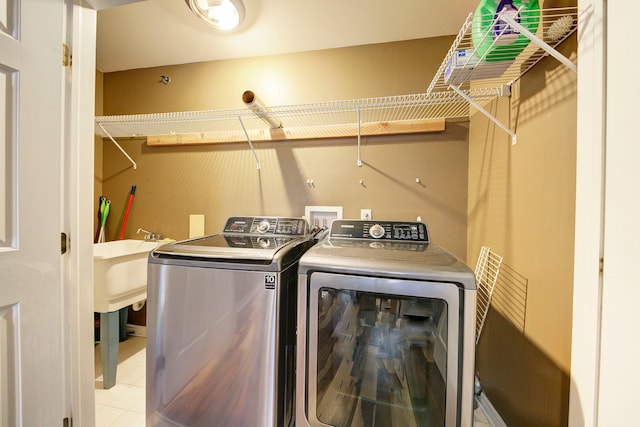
x,y
123,405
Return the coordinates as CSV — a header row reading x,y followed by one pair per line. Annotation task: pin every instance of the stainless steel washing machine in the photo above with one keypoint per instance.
x,y
221,326
386,325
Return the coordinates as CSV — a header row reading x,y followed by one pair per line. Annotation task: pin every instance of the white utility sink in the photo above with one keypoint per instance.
x,y
120,273
119,280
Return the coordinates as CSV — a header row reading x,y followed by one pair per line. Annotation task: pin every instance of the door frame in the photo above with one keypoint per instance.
x,y
77,211
80,93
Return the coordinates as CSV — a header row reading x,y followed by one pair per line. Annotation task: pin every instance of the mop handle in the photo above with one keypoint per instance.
x,y
126,214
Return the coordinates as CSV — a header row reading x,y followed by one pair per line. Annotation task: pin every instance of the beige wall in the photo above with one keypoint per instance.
x,y
221,180
354,72
521,204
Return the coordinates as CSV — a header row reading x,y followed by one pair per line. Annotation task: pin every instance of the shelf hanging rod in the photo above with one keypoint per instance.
x,y
135,165
253,151
254,104
485,112
359,138
541,43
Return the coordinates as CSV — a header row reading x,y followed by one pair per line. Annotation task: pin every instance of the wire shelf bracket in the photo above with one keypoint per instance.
x,y
253,151
508,18
359,137
135,165
486,113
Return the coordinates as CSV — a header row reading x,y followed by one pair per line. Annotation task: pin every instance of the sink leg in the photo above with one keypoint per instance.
x,y
109,340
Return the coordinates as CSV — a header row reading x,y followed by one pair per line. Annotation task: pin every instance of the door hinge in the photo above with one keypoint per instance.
x,y
63,243
66,56
67,422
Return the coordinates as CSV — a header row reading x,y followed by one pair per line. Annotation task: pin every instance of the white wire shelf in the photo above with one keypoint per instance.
x,y
330,115
460,88
553,26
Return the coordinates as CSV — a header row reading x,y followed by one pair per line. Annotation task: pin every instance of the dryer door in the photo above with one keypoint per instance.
x,y
382,352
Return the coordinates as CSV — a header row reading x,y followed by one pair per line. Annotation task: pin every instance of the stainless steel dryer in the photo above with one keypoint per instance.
x,y
386,325
221,326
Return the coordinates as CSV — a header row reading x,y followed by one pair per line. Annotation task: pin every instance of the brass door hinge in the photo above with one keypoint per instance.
x,y
63,243
66,56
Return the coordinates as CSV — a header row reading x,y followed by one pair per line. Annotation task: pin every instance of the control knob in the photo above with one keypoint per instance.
x,y
264,242
376,231
263,226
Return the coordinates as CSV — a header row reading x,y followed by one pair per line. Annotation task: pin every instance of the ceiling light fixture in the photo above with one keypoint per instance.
x,y
223,15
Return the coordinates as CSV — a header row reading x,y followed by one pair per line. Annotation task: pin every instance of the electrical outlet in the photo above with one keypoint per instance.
x,y
365,213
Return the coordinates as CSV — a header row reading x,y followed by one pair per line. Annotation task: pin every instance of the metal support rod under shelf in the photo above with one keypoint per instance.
x,y
135,165
255,156
541,43
359,138
485,112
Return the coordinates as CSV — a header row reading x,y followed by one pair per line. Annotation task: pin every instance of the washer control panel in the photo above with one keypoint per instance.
x,y
266,225
380,230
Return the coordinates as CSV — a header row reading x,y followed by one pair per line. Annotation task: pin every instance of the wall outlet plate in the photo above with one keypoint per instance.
x,y
365,213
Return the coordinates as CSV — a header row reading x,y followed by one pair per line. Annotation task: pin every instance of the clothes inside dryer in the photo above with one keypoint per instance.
x,y
383,362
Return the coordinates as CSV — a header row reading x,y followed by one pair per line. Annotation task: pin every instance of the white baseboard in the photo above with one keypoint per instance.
x,y
492,415
136,330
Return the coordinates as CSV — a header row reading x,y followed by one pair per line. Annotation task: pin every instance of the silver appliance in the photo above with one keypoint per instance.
x,y
221,326
386,325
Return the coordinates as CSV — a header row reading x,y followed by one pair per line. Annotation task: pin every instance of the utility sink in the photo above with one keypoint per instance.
x,y
120,273
119,280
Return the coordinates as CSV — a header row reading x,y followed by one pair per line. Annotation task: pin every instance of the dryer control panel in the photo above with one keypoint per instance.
x,y
380,230
266,225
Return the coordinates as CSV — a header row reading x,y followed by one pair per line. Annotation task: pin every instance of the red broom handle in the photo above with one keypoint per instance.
x,y
126,214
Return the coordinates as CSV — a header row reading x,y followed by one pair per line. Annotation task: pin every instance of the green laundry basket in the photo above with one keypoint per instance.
x,y
493,39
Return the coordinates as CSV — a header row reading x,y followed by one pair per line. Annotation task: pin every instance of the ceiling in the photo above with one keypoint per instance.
x,y
153,33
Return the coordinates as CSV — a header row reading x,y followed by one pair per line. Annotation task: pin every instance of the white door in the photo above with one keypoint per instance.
x,y
33,381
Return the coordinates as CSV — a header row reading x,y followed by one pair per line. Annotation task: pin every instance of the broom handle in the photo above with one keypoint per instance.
x,y
126,214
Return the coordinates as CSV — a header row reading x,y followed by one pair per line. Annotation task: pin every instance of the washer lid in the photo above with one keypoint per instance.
x,y
232,247
245,239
